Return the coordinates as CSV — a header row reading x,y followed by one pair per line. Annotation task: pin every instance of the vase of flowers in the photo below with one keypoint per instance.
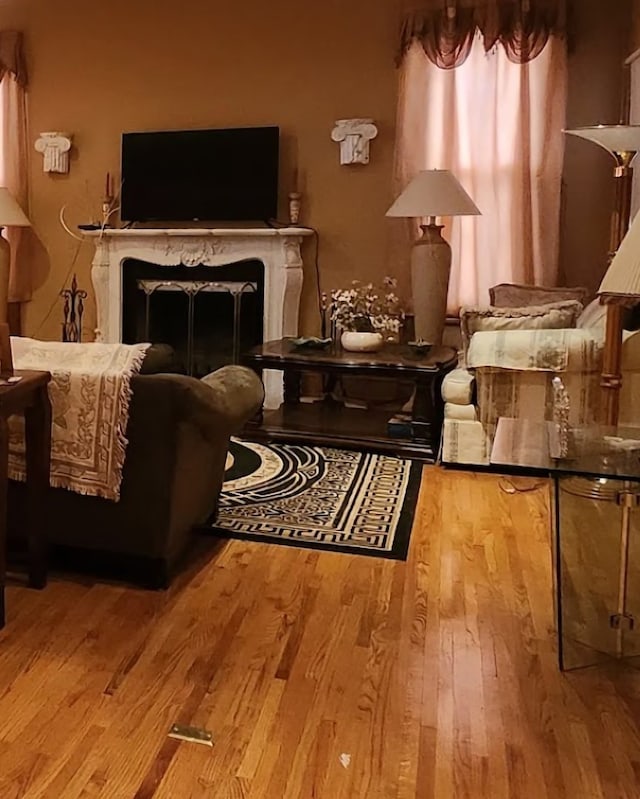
x,y
366,315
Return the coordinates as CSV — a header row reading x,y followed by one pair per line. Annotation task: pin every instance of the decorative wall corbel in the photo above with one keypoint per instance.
x,y
55,147
354,136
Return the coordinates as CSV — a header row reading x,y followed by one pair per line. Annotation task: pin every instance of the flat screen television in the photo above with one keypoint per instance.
x,y
200,175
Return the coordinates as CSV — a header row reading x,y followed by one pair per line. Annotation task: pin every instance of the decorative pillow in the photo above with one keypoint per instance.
x,y
594,315
554,316
516,295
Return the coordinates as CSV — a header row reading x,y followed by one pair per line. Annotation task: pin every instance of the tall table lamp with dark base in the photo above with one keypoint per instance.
x,y
10,215
620,289
431,193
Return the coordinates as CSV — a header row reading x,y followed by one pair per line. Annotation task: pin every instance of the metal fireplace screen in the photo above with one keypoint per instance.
x,y
209,315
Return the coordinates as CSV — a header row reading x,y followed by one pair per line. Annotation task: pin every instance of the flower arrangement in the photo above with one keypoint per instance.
x,y
367,308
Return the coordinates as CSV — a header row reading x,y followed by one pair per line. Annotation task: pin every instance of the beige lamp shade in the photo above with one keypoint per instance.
x,y
622,278
613,138
433,192
10,212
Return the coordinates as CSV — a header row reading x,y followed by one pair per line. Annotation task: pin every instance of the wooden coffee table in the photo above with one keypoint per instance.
x,y
328,422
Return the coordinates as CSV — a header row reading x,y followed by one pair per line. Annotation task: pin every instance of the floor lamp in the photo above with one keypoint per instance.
x,y
430,194
622,142
620,288
10,214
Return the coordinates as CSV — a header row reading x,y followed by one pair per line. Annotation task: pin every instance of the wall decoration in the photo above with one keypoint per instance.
x,y
354,136
55,147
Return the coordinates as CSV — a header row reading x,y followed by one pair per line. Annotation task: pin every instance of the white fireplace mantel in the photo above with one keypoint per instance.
x,y
277,248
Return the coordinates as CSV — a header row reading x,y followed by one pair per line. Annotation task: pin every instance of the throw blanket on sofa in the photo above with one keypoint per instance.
x,y
90,394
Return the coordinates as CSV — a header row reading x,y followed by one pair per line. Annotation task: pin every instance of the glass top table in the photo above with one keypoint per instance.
x,y
594,451
595,523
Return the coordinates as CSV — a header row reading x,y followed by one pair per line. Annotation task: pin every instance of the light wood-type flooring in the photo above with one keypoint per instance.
x,y
321,676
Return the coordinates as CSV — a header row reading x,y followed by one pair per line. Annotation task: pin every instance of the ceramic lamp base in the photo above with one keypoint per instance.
x,y
5,260
430,269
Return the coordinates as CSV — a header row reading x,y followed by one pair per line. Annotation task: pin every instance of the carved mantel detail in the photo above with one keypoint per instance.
x,y
277,248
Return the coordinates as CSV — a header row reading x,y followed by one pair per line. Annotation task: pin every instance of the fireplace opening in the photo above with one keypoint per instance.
x,y
209,315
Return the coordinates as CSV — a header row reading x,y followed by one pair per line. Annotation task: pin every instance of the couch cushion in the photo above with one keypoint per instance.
x,y
463,413
563,350
161,359
593,316
519,295
457,387
464,442
536,317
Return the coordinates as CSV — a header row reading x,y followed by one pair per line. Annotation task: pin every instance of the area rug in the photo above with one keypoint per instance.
x,y
319,497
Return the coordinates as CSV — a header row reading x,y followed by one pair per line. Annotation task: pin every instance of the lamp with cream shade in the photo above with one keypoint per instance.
x,y
431,193
620,289
11,215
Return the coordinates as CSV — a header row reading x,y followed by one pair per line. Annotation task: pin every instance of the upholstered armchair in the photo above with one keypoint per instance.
x,y
509,358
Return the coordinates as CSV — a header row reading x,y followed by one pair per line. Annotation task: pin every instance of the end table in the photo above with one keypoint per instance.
x,y
27,395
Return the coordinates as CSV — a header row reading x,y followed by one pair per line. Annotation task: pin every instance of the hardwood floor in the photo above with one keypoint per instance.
x,y
321,676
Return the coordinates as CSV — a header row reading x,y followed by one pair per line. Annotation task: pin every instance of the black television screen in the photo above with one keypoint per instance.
x,y
206,175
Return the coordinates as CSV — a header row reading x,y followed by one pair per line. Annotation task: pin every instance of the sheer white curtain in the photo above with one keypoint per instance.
x,y
14,175
497,126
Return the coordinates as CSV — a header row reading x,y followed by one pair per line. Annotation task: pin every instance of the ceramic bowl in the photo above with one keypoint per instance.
x,y
420,347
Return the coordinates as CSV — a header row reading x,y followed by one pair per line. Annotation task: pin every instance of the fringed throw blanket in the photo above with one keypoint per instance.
x,y
90,393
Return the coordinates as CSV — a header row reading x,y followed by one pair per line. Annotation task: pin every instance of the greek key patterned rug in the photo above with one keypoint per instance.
x,y
319,497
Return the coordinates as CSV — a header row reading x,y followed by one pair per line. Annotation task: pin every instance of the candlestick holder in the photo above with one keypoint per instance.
x,y
107,210
73,311
295,200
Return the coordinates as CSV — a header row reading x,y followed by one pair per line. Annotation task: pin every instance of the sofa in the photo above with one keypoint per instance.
x,y
506,369
178,434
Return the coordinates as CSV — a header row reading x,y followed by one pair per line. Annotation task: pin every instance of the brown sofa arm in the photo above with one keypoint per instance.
x,y
234,393
218,405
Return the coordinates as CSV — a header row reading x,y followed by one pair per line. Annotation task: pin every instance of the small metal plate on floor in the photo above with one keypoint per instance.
x,y
195,735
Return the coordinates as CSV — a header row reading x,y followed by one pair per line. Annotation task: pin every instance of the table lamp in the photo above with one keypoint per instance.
x,y
10,214
431,193
620,289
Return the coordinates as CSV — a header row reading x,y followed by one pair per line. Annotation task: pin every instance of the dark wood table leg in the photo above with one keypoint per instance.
x,y
292,383
38,456
423,412
4,467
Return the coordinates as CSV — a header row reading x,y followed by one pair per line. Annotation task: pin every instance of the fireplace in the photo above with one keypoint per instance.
x,y
213,256
208,316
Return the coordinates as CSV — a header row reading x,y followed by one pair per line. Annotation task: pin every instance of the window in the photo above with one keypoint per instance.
x,y
497,125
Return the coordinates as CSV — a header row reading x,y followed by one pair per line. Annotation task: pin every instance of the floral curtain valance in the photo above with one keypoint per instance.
x,y
12,58
446,28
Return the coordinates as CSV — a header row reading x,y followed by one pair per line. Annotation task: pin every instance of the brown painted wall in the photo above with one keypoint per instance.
x,y
99,69
635,25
